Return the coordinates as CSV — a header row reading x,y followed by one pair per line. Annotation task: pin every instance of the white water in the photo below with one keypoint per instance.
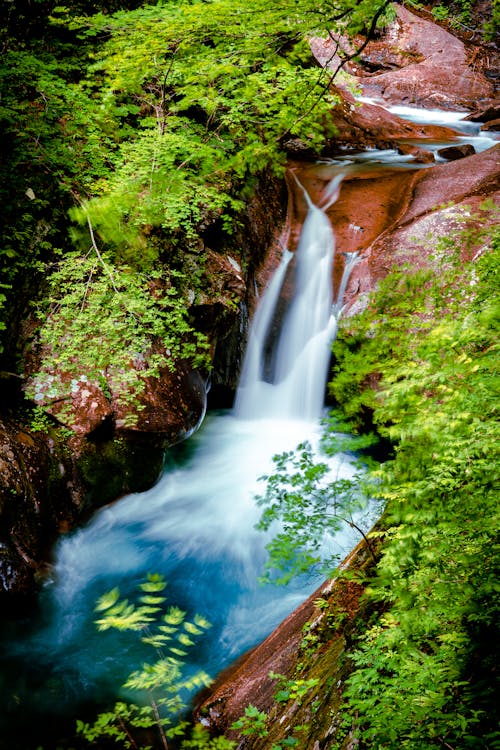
x,y
292,382
196,526
467,131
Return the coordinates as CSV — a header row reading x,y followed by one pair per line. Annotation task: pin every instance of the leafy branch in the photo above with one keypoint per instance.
x,y
308,508
163,682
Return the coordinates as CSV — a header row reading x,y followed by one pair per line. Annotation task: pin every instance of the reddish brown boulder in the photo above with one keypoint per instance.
x,y
457,152
413,61
172,405
493,125
488,115
435,203
440,77
420,155
362,125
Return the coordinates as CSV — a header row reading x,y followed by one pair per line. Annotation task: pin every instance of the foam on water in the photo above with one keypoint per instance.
x,y
197,525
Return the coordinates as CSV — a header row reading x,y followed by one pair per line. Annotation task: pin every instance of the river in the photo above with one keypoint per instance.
x,y
197,525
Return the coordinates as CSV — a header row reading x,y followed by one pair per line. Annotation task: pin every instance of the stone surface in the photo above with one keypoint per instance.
x,y
488,115
249,681
414,61
456,152
433,70
173,405
492,125
364,124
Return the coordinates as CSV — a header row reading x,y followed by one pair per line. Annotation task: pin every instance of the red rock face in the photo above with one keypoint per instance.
x,y
362,125
417,62
387,215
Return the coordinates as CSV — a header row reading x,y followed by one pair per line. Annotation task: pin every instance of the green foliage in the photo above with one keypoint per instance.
x,y
292,690
252,723
310,507
440,12
201,740
468,16
492,26
457,13
39,421
160,686
142,326
423,676
219,87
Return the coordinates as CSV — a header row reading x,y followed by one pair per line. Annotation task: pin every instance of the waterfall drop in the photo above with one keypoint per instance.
x,y
293,385
197,525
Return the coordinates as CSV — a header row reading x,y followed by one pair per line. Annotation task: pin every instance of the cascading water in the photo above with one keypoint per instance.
x,y
196,526
293,384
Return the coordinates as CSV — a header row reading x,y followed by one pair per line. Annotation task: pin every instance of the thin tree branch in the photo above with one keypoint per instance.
x,y
157,716
98,253
343,62
130,736
353,525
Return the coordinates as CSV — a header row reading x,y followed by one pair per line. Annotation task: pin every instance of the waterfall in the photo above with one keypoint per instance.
x,y
293,383
196,526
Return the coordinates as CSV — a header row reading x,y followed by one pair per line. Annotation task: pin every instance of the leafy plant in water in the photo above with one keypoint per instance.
x,y
160,685
309,507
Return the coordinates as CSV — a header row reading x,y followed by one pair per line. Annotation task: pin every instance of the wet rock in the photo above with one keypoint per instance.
x,y
369,125
249,681
455,182
47,485
457,152
433,67
492,125
486,116
420,155
171,405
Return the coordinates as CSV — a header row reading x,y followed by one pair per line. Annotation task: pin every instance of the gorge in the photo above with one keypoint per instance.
x,y
393,201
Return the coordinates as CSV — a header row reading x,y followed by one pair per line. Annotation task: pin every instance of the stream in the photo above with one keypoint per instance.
x,y
196,526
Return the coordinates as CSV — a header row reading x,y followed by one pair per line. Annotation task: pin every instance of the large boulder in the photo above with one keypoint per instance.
x,y
414,61
361,124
